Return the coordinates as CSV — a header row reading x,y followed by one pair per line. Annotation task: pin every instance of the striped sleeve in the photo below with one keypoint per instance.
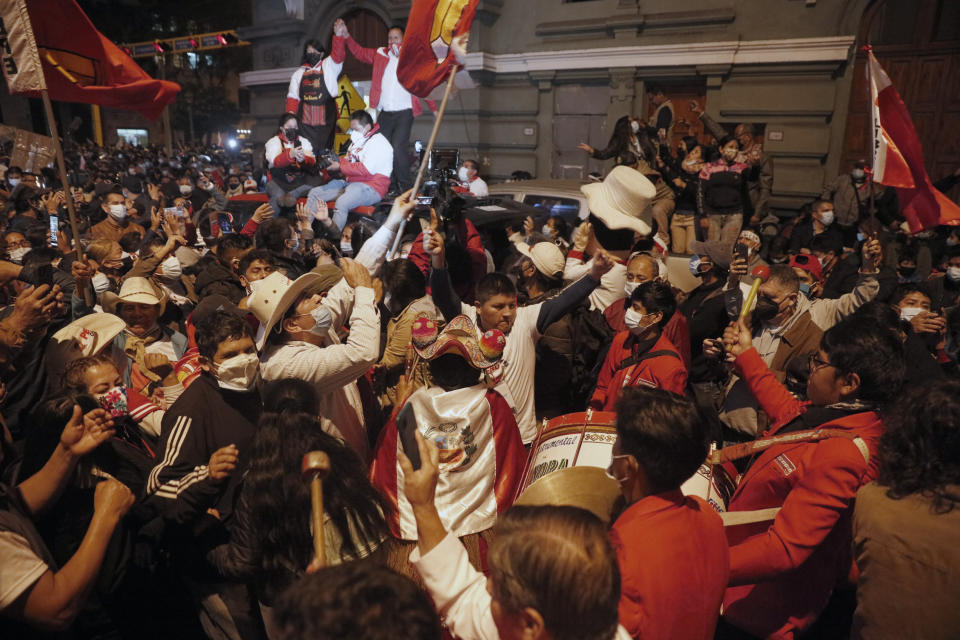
x,y
182,476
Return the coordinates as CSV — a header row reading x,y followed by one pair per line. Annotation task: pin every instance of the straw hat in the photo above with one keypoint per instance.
x,y
622,200
460,337
135,289
84,337
274,295
546,257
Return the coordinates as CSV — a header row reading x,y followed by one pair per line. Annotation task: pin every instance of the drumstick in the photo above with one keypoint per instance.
x,y
760,275
316,466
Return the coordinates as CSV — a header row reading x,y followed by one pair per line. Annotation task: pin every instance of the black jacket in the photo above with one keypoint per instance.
x,y
215,278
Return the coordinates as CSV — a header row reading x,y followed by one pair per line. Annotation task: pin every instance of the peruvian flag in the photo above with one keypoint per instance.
x,y
426,56
79,64
898,157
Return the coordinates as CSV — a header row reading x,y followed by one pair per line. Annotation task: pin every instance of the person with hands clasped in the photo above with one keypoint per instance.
x,y
788,522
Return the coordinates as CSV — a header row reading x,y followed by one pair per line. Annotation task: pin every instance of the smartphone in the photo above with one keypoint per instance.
x,y
54,227
742,251
407,428
173,211
225,225
425,200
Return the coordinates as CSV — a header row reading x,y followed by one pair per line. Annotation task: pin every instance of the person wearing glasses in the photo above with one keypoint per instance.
x,y
794,501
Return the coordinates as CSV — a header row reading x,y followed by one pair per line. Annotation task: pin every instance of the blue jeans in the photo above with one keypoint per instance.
x,y
275,191
348,195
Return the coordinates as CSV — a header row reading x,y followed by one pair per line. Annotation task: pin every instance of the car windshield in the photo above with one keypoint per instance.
x,y
554,206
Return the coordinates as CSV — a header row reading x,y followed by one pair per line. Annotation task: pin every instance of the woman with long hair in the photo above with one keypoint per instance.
x,y
629,143
684,179
271,544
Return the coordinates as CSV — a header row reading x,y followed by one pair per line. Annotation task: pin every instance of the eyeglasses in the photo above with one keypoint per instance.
x,y
814,362
23,244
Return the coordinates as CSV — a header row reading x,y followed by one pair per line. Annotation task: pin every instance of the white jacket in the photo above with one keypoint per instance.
x,y
331,70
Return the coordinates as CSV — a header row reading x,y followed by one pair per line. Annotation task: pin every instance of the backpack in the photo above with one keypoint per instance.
x,y
592,336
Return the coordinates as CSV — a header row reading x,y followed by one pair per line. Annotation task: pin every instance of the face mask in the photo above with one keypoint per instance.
x,y
234,186
766,309
322,319
118,212
826,217
824,261
114,401
132,172
17,254
635,126
313,59
239,372
346,248
952,241
860,236
906,272
730,154
632,320
909,313
356,137
953,274
547,231
100,283
13,182
186,189
395,49
629,288
805,289
291,133
694,267
171,268
462,174
296,243
858,175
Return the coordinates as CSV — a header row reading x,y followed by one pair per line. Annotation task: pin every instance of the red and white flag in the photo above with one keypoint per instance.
x,y
18,49
898,157
427,55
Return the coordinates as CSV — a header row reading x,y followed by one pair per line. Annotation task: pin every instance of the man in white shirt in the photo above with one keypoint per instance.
x,y
471,180
366,169
299,340
496,308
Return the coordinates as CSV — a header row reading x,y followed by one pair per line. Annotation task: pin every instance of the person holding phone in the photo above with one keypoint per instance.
x,y
291,163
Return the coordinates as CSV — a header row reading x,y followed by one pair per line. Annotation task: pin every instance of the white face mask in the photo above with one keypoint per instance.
x,y
171,269
635,126
953,274
909,313
322,319
462,174
629,288
186,189
239,372
356,137
547,230
100,283
633,319
118,212
395,49
346,248
17,254
13,182
730,153
826,217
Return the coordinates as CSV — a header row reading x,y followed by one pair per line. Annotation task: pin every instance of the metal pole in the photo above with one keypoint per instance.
x,y
423,165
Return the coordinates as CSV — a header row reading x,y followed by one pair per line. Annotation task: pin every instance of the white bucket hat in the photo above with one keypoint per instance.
x,y
622,200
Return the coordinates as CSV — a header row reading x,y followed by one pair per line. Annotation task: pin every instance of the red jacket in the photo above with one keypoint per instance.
x,y
662,372
677,328
782,573
478,259
673,567
379,58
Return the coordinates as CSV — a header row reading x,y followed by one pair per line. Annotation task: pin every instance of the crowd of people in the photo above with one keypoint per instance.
x,y
166,369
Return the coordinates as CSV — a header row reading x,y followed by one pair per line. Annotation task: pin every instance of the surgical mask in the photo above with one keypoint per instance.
x,y
632,320
629,287
322,319
17,254
100,283
346,248
953,274
635,126
462,174
313,59
356,137
826,217
13,182
395,49
186,189
805,289
858,175
239,372
114,401
694,266
906,272
132,171
547,231
171,268
118,212
860,236
909,313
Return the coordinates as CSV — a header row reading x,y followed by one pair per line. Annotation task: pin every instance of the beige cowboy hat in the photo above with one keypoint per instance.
x,y
84,337
545,256
274,295
622,200
135,289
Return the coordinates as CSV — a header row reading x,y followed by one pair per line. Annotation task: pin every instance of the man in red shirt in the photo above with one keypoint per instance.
x,y
789,521
671,548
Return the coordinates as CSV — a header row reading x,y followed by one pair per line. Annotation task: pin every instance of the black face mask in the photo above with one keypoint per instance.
x,y
234,185
291,133
313,59
906,272
766,309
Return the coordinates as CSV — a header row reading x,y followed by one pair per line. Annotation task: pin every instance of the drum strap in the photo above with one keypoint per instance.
x,y
737,451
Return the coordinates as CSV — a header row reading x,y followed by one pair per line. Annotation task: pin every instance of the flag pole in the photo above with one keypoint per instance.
x,y
426,156
871,207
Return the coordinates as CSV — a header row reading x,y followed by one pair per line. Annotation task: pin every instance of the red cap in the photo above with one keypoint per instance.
x,y
808,263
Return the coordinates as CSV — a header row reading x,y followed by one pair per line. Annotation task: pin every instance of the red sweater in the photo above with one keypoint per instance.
x,y
782,573
662,372
379,58
673,567
677,328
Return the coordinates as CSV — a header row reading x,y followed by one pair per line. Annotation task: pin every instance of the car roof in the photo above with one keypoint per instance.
x,y
545,187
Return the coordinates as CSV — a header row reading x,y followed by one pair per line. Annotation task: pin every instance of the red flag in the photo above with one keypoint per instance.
x,y
426,56
81,65
898,157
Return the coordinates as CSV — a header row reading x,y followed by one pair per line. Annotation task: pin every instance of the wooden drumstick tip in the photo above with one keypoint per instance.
x,y
315,463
